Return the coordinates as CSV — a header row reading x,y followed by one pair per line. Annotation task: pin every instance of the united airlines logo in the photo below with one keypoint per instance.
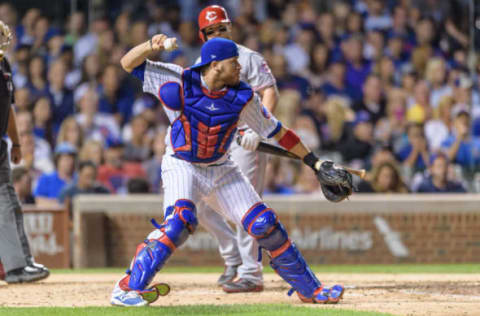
x,y
211,15
212,107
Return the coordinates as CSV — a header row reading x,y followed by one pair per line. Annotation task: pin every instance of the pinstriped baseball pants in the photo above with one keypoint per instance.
x,y
223,186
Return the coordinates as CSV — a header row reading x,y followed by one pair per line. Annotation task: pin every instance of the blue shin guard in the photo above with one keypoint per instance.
x,y
151,255
262,223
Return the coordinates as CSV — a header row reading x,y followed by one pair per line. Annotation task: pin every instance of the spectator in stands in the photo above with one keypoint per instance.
x,y
378,17
419,109
39,148
297,53
138,185
437,181
25,30
85,183
75,28
138,148
414,153
385,179
113,97
316,72
436,75
385,69
87,43
61,98
91,150
463,148
22,182
335,81
37,77
358,68
23,99
70,132
438,128
374,46
372,101
466,98
95,125
36,154
43,120
285,80
91,69
115,172
390,129
325,26
359,144
50,185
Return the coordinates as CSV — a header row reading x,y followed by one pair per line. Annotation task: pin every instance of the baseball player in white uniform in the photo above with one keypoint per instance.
x,y
205,103
239,250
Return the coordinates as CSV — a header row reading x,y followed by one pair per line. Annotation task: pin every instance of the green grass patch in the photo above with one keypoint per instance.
x,y
258,310
359,268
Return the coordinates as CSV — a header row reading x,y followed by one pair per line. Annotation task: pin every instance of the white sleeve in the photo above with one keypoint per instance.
x,y
153,74
259,75
258,118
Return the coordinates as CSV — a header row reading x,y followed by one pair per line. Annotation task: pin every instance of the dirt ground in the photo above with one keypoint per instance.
x,y
399,294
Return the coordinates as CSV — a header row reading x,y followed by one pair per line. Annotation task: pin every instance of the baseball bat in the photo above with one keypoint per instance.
x,y
277,151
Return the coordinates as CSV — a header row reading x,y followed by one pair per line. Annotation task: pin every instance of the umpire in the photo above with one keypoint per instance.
x,y
15,255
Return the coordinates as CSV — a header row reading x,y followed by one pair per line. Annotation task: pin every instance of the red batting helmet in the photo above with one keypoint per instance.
x,y
211,15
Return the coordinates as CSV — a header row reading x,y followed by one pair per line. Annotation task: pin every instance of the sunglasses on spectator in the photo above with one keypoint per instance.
x,y
221,29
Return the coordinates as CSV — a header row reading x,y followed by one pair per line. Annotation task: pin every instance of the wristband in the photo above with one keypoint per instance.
x,y
289,140
151,44
311,160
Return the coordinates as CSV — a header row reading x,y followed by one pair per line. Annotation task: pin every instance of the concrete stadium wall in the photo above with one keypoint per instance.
x,y
365,229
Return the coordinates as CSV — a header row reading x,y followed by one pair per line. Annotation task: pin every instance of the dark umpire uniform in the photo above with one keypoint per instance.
x,y
15,255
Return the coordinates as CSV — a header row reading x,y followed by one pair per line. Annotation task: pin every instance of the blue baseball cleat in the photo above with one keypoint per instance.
x,y
122,297
126,298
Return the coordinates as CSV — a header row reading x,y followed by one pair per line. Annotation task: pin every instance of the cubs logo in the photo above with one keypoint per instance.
x,y
211,16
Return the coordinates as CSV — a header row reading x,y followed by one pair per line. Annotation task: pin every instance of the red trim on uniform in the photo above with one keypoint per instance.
x,y
277,252
289,140
188,134
221,148
214,94
167,242
207,139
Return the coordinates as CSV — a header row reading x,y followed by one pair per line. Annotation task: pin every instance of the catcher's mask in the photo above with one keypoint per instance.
x,y
5,38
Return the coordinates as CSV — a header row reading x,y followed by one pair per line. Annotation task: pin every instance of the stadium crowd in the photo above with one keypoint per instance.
x,y
390,86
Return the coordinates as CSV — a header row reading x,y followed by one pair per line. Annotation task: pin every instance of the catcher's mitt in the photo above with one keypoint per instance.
x,y
335,181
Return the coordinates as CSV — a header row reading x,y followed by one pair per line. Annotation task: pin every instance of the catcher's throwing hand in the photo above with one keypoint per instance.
x,y
158,42
336,182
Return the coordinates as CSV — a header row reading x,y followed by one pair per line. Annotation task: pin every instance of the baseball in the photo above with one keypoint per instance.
x,y
170,44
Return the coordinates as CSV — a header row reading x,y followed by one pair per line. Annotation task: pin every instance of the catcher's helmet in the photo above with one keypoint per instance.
x,y
211,15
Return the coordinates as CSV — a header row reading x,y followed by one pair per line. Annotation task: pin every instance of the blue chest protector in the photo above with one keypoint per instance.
x,y
204,130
